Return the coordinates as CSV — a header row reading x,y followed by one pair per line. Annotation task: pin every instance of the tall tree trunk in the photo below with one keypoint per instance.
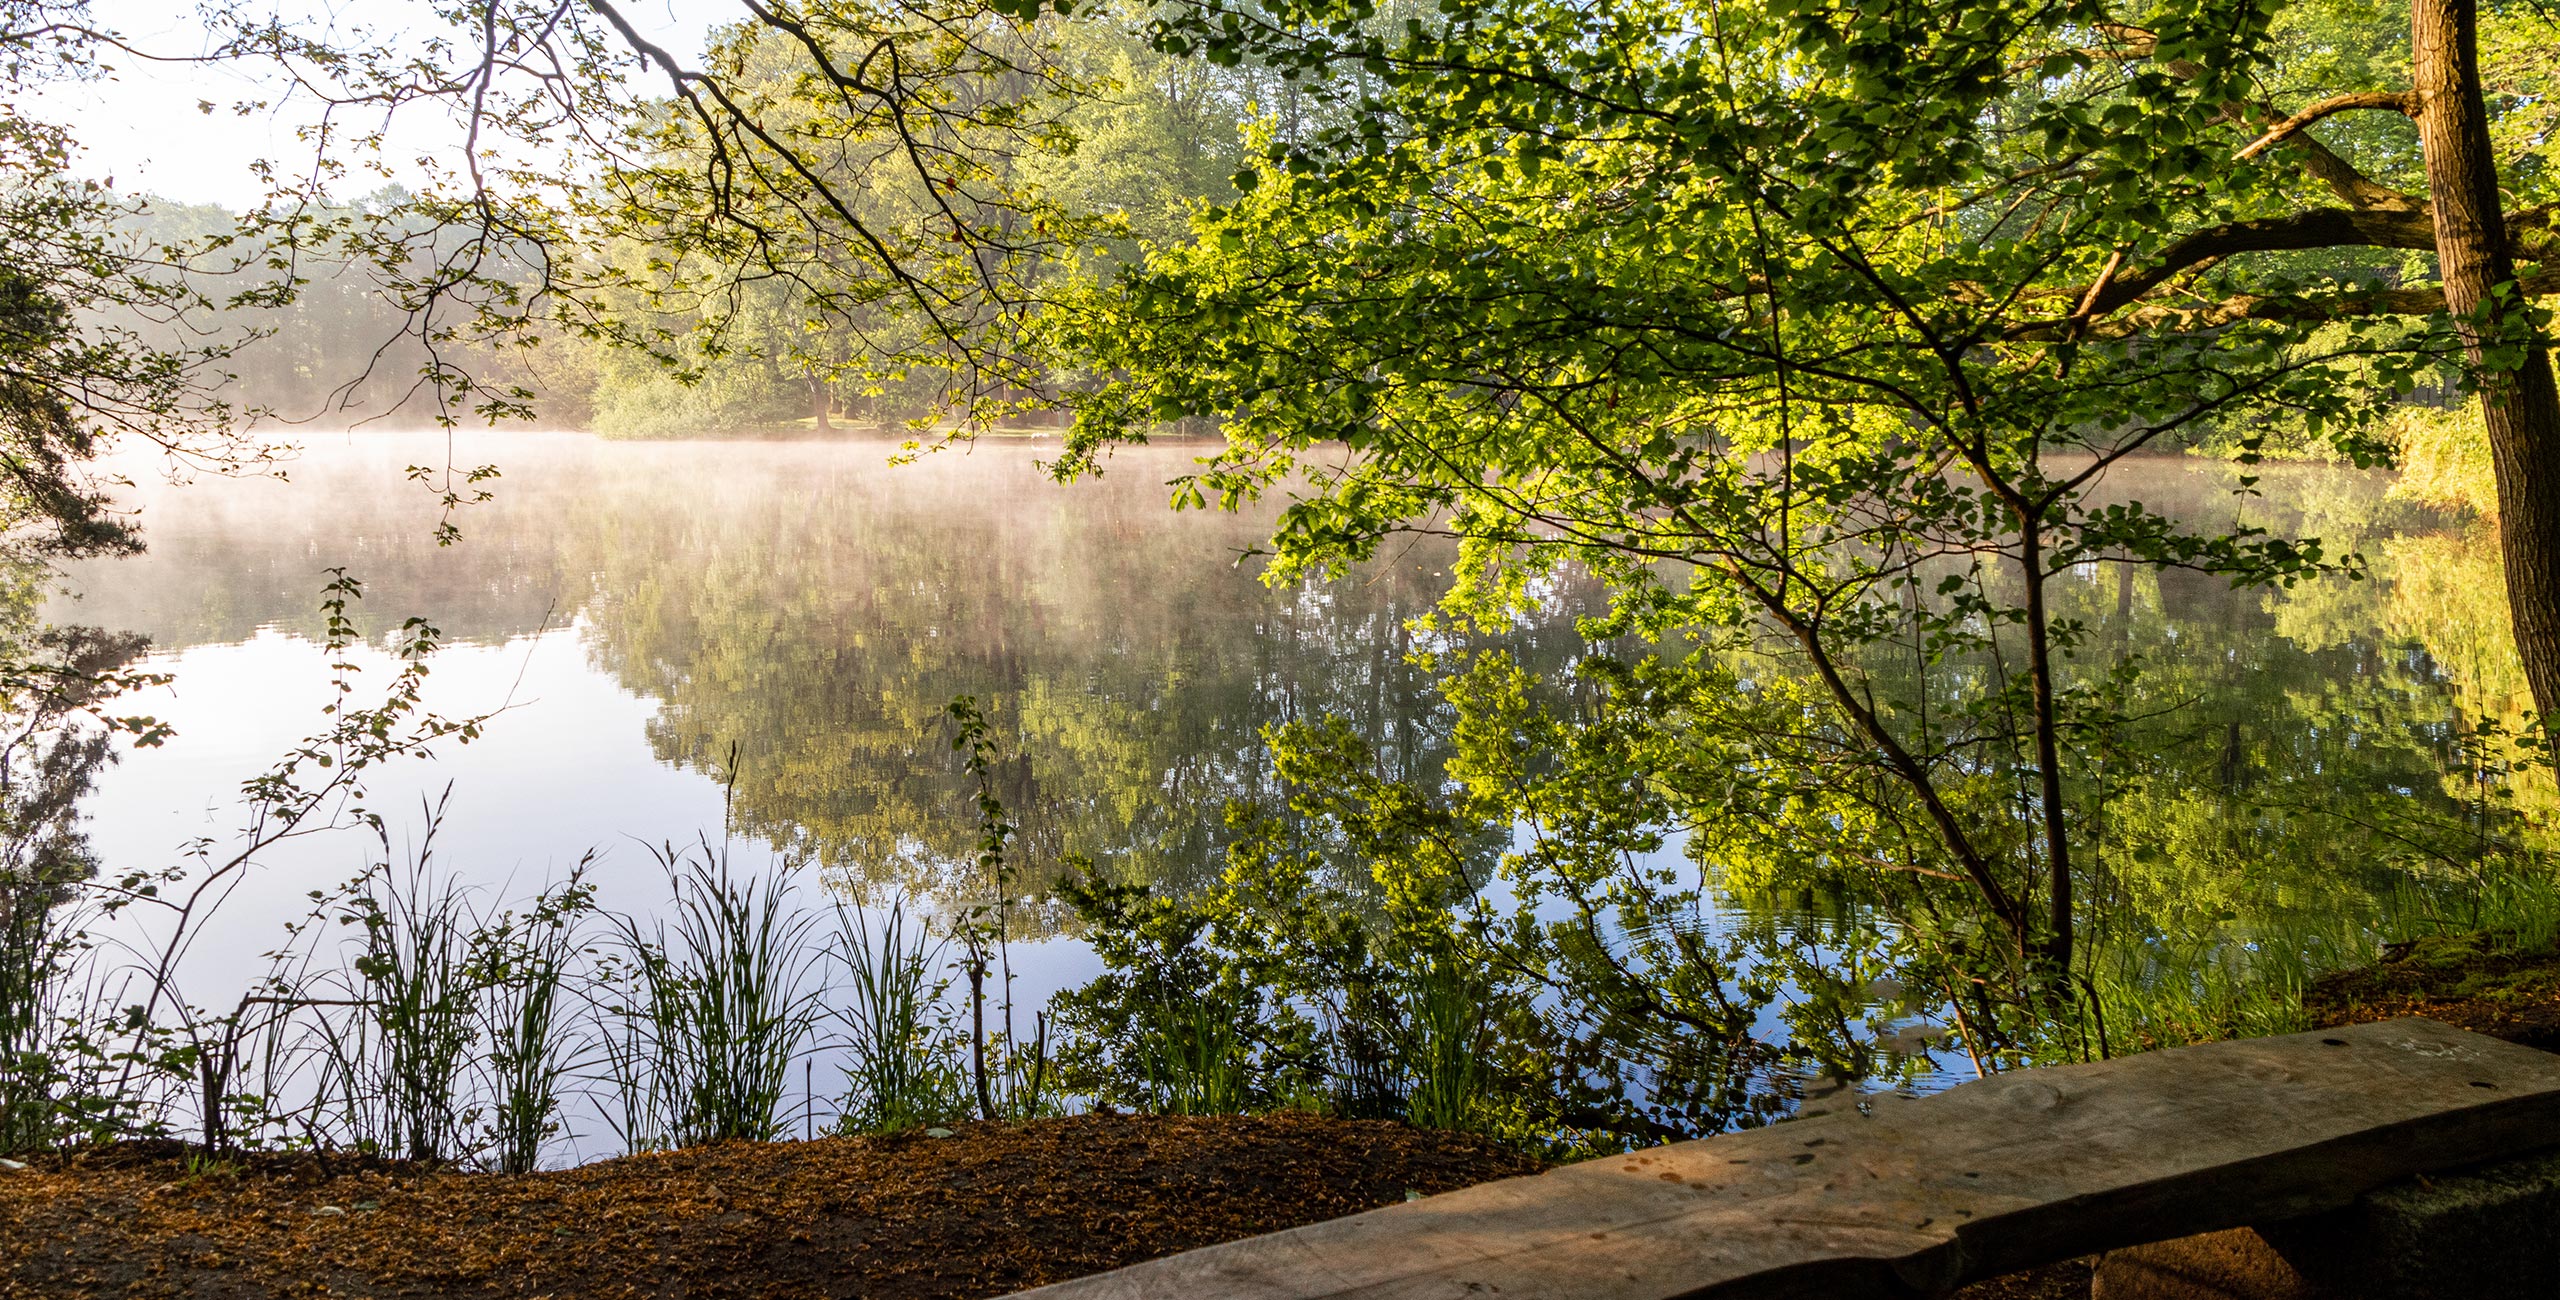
x,y
820,399
2518,399
2060,912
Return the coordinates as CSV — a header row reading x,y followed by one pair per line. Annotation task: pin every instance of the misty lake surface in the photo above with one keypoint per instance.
x,y
637,611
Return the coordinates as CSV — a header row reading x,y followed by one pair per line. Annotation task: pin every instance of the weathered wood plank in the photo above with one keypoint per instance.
x,y
1898,1197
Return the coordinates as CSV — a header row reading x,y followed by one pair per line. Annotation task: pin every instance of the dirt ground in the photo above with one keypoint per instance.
x,y
991,1209
2485,983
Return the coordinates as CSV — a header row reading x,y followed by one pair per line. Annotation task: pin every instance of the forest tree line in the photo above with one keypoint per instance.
x,y
1147,140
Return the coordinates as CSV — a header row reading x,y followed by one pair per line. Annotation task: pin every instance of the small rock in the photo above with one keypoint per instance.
x,y
329,1211
12,1166
1412,1195
937,1133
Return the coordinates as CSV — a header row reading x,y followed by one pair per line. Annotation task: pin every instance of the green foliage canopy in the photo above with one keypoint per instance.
x,y
1811,328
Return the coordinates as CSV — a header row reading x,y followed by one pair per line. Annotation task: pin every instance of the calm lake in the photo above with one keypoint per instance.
x,y
637,612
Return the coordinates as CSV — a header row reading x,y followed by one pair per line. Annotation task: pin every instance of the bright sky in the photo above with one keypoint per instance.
x,y
143,128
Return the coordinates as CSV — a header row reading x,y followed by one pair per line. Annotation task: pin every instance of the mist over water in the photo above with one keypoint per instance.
x,y
636,610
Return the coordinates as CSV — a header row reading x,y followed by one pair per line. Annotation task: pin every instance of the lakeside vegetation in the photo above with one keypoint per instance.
x,y
2248,866
1811,693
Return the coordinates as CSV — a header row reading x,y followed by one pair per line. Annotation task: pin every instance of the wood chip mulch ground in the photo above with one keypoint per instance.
x,y
989,1210
2486,983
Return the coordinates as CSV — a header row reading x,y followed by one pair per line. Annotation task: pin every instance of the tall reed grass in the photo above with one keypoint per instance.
x,y
1196,1060
525,964
401,1057
903,1070
719,1001
1445,1053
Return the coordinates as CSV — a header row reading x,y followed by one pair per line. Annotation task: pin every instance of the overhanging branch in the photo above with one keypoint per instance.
x,y
2317,228
2531,231
2398,101
2175,318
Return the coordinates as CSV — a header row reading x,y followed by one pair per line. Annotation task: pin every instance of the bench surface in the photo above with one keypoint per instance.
x,y
1883,1196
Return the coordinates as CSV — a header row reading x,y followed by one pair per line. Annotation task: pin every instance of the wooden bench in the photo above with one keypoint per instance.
x,y
1883,1196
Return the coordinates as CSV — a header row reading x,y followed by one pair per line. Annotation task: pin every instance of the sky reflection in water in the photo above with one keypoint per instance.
x,y
639,607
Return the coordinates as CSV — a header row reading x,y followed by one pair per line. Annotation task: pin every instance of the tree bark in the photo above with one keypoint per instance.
x,y
2048,723
2518,399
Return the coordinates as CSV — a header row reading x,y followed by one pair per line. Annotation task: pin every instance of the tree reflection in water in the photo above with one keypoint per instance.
x,y
2293,754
